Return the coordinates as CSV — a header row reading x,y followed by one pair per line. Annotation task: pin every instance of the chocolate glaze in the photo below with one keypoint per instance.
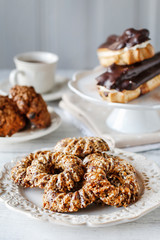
x,y
129,38
130,77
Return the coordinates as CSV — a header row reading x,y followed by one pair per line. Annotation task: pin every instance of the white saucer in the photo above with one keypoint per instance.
x,y
56,93
30,134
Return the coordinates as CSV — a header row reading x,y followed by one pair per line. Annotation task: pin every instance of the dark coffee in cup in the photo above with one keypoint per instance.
x,y
33,61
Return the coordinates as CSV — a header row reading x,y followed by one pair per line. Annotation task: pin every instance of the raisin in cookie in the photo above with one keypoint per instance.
x,y
32,105
11,120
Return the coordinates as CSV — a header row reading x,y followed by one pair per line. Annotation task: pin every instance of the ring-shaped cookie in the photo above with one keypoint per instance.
x,y
77,199
58,170
116,183
81,146
68,201
18,172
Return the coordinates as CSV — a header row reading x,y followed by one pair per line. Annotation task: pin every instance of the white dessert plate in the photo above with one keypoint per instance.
x,y
29,134
84,84
29,201
56,93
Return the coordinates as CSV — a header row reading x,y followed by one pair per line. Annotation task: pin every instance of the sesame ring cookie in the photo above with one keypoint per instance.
x,y
75,200
117,185
81,198
58,170
18,172
81,146
68,201
43,171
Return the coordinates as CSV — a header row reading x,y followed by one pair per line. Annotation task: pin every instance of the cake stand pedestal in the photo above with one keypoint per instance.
x,y
134,121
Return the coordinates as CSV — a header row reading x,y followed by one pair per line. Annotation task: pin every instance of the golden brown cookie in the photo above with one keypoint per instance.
x,y
81,146
108,178
32,105
68,201
57,170
115,181
18,172
11,120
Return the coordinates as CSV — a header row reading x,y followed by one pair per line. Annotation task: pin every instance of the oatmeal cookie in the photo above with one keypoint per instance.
x,y
32,105
11,121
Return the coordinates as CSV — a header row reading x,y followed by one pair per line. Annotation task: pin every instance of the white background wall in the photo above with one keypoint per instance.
x,y
71,28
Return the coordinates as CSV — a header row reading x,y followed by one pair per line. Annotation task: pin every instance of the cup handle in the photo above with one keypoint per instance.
x,y
13,76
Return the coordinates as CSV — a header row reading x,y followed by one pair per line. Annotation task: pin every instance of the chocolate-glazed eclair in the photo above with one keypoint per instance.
x,y
130,47
125,83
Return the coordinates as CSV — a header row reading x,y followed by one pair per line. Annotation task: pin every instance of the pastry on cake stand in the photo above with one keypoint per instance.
x,y
127,82
138,116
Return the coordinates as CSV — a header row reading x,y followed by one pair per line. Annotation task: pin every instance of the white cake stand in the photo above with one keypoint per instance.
x,y
138,116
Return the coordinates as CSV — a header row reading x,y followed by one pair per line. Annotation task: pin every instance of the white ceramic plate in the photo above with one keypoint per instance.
x,y
29,201
84,84
30,134
56,93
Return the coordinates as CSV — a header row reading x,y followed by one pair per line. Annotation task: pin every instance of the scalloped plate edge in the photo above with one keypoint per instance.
x,y
65,219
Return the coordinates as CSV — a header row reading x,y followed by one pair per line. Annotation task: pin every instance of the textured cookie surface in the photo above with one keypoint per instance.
x,y
32,105
81,146
11,121
57,170
43,171
115,183
108,178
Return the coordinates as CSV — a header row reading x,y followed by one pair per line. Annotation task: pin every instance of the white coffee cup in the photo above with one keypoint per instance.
x,y
35,69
